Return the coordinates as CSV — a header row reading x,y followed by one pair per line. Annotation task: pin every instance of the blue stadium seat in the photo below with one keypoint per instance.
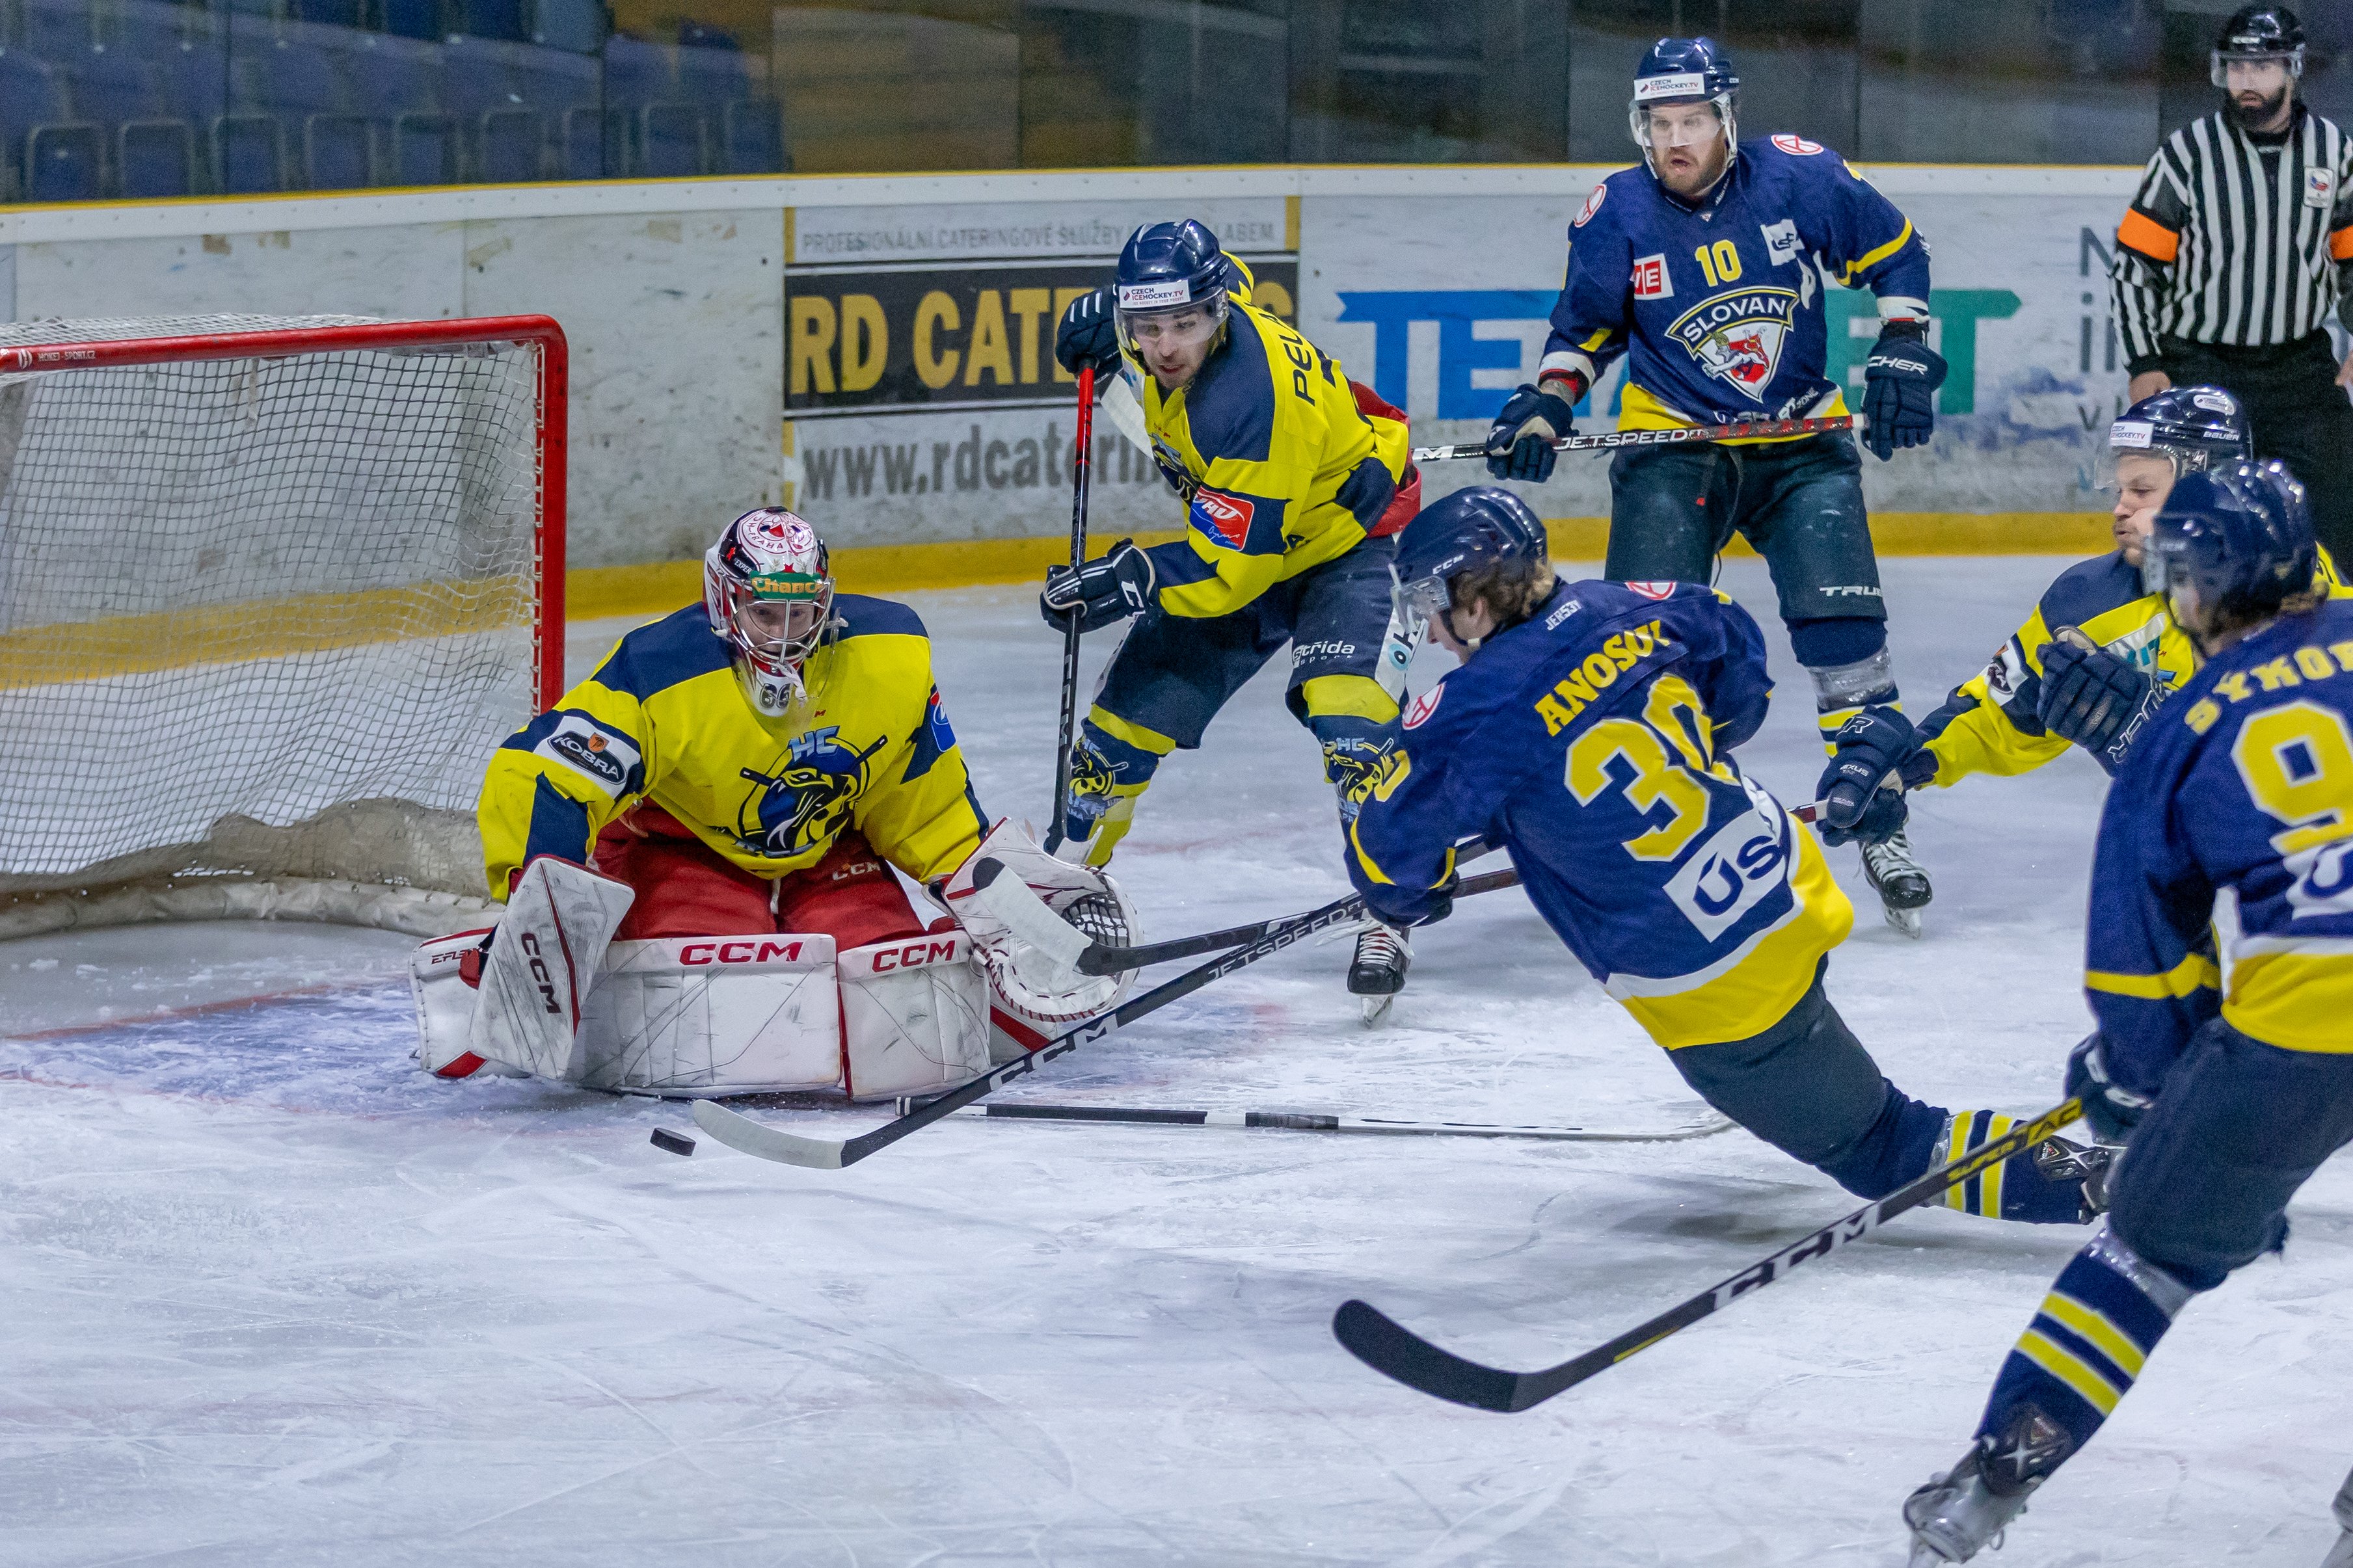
x,y
713,75
335,152
64,163
328,13
638,73
293,75
479,80
191,74
155,158
576,27
586,138
395,76
424,150
509,146
113,84
249,154
494,19
670,141
409,18
54,30
30,94
755,137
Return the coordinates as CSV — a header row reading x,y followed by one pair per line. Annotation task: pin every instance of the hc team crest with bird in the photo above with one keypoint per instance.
x,y
806,799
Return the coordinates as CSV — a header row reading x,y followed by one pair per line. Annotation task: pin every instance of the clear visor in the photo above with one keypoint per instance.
x,y
2252,71
1182,327
1679,122
1420,600
2158,566
2147,472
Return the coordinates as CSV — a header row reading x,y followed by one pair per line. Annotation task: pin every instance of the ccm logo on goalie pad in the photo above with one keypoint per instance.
x,y
587,748
882,958
748,952
539,972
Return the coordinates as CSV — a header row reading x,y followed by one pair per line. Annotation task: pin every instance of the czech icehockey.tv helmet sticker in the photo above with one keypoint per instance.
x,y
1423,706
2131,433
1736,336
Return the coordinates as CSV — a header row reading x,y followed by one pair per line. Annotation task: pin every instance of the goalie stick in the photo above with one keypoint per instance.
x,y
740,1132
1319,1121
1396,1351
1612,439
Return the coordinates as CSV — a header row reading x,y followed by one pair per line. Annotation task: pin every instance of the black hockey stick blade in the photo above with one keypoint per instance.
x,y
1396,1352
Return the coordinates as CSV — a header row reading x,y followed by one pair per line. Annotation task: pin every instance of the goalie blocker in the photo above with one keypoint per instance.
x,y
754,1013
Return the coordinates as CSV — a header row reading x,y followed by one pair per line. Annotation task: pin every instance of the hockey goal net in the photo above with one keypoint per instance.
x,y
271,593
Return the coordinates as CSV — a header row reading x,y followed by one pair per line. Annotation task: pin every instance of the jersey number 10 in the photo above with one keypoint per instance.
x,y
1720,262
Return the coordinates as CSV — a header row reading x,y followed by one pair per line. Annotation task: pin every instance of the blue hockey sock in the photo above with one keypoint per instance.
x,y
2016,1188
2087,1343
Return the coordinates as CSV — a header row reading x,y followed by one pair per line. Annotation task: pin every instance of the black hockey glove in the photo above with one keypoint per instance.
x,y
1087,335
1520,445
1899,389
2112,1109
1103,593
1867,748
2093,698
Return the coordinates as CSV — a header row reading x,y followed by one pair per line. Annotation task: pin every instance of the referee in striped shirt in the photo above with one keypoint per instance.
x,y
2228,260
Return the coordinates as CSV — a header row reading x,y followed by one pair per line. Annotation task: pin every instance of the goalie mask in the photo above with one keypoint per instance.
x,y
767,586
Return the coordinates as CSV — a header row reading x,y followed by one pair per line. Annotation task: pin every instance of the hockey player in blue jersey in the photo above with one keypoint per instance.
x,y
2231,1091
1706,268
1589,731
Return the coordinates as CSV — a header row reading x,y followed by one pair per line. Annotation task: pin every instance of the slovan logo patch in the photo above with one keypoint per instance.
x,y
1736,337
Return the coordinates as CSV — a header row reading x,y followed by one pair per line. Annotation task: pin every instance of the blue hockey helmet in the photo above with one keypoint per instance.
x,y
2198,427
1685,71
1172,278
2238,534
2258,32
1459,532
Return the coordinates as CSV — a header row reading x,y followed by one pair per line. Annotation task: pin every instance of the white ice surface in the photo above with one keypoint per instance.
x,y
269,1296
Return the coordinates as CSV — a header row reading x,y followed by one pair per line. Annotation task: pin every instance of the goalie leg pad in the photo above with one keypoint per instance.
x,y
914,1015
445,1007
536,977
713,1015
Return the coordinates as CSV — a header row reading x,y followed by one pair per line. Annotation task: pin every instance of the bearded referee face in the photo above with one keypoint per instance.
x,y
2258,93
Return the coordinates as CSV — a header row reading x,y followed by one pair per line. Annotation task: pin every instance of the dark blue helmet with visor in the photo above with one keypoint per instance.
x,y
1685,71
1459,532
2195,428
2239,536
1172,279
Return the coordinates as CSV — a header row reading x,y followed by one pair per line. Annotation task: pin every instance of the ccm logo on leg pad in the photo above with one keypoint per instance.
x,y
892,957
751,950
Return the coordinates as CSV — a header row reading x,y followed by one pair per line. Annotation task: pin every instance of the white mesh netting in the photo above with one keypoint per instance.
x,y
260,619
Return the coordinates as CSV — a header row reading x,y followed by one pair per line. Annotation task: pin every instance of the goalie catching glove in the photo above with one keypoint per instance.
x,y
1041,992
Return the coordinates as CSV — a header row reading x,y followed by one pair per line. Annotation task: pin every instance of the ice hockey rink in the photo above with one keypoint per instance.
x,y
272,1296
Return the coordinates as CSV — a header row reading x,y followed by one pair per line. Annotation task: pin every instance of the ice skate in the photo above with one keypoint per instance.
x,y
1377,972
1956,1516
1901,882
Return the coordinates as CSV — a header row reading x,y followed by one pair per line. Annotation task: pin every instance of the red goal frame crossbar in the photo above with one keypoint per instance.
x,y
288,342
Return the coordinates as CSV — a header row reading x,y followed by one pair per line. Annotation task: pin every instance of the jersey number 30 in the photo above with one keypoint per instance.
x,y
1654,779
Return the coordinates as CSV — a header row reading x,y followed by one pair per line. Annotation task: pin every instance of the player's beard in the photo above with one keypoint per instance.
x,y
2254,117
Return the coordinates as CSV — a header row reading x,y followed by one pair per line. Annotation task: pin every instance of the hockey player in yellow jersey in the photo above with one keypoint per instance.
x,y
1294,480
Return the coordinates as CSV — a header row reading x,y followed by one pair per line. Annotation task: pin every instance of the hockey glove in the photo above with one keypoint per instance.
x,y
1867,748
1087,335
2112,1109
1899,389
2093,698
1520,445
1102,593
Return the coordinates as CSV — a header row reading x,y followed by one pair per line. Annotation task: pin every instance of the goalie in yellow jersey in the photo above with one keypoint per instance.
x,y
1294,480
752,767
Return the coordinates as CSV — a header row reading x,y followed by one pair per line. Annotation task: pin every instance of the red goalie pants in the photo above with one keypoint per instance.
x,y
685,889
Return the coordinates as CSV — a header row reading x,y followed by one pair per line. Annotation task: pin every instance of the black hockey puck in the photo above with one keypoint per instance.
x,y
673,1143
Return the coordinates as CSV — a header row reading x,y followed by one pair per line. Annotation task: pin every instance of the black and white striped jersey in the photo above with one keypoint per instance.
x,y
2229,242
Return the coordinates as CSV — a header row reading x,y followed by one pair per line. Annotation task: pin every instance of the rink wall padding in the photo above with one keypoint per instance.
x,y
877,351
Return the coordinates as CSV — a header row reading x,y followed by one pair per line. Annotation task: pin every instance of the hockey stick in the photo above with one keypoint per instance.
x,y
1393,1351
741,1132
1082,469
1025,914
1611,440
1317,1121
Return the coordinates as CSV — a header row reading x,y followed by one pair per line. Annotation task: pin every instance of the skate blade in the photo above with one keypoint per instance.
x,y
1377,1007
1926,1556
1905,921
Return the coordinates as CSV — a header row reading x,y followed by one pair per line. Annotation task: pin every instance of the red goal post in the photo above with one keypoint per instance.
x,y
271,592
